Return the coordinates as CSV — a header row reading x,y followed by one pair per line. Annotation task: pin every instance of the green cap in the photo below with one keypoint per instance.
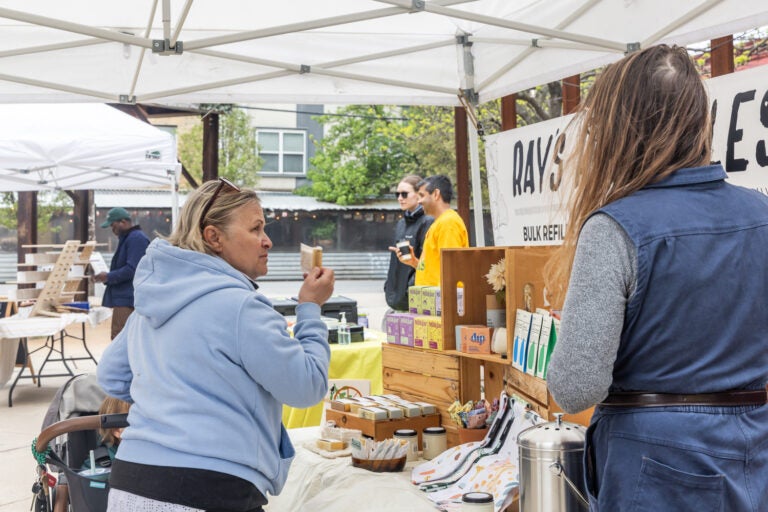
x,y
114,215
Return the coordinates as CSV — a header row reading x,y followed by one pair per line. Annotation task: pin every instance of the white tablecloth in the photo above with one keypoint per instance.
x,y
21,326
316,483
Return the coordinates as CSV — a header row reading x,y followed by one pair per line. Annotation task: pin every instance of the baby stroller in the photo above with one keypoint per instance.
x,y
69,433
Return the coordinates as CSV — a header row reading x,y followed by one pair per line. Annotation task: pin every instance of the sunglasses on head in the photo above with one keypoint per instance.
x,y
403,194
223,183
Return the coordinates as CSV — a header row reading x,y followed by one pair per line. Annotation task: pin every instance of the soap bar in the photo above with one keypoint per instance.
x,y
330,445
372,413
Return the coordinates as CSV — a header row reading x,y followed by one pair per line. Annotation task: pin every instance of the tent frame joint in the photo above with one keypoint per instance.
x,y
304,69
463,40
418,5
127,99
163,47
632,47
535,43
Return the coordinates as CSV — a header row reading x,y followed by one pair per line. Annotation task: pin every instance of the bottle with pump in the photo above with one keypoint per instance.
x,y
344,335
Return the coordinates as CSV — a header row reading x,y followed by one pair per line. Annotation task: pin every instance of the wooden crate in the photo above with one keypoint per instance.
x,y
424,376
382,429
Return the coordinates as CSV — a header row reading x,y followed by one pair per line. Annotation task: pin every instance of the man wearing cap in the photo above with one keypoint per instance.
x,y
131,246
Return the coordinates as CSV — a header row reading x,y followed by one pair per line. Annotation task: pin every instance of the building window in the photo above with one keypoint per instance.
x,y
283,151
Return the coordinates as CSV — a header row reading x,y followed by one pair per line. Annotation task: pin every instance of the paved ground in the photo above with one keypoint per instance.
x,y
21,423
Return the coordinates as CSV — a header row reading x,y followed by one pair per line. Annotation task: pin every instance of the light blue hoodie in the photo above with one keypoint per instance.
x,y
208,364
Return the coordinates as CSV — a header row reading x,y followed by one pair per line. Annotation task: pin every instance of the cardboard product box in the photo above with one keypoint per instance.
x,y
476,339
430,297
435,333
520,342
406,328
421,331
533,343
414,299
382,429
392,327
545,350
286,306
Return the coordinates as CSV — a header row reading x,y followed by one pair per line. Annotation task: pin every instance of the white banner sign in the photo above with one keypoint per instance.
x,y
523,178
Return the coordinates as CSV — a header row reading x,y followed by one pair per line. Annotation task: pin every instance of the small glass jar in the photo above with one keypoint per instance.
x,y
434,441
410,435
477,502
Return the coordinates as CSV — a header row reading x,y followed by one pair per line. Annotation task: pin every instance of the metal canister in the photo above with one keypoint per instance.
x,y
551,467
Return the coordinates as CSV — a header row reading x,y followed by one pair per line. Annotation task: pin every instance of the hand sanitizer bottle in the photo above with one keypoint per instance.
x,y
344,336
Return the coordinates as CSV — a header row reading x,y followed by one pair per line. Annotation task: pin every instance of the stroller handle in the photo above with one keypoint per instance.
x,y
79,423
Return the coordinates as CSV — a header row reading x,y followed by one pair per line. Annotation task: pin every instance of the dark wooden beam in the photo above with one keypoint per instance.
x,y
509,112
210,146
462,164
721,60
571,94
26,223
82,205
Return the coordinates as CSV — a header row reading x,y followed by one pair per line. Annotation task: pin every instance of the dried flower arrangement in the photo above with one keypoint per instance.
x,y
496,278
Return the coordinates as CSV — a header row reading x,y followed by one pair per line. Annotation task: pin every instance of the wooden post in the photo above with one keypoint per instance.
x,y
571,93
82,200
210,146
509,112
721,60
462,164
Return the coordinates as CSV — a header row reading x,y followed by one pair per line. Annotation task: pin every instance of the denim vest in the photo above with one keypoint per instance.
x,y
698,320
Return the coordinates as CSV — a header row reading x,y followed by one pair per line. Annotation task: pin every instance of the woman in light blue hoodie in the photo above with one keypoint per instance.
x,y
208,364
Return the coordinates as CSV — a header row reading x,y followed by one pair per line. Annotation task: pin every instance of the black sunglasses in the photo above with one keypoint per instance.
x,y
223,182
402,194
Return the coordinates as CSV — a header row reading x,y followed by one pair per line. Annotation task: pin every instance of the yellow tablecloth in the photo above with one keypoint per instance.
x,y
359,360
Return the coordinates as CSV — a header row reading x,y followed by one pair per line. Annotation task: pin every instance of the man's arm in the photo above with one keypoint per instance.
x,y
135,248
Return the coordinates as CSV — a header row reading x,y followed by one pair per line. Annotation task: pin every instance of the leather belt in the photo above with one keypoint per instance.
x,y
723,399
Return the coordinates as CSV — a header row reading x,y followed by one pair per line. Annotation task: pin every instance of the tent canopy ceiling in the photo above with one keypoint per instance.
x,y
340,51
81,146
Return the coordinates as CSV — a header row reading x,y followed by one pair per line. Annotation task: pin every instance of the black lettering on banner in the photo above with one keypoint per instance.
x,y
556,177
733,164
517,169
761,155
530,182
542,160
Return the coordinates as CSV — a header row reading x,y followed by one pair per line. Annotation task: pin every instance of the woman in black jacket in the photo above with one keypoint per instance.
x,y
411,228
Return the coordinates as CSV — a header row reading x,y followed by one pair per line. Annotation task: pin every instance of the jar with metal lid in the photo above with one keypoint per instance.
x,y
551,467
477,502
434,440
410,435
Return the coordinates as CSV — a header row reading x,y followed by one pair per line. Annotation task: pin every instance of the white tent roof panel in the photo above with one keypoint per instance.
x,y
81,146
248,52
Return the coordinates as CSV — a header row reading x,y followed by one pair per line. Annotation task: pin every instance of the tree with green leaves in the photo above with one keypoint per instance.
x,y
362,154
238,151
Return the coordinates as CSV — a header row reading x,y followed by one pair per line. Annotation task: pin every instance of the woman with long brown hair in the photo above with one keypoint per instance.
x,y
664,279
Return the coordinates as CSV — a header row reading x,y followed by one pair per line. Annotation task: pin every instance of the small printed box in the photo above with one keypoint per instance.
x,y
414,299
533,343
406,328
372,413
392,326
435,333
429,300
545,349
476,339
421,331
520,342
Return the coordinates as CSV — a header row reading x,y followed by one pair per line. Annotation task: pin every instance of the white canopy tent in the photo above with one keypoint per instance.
x,y
82,146
401,52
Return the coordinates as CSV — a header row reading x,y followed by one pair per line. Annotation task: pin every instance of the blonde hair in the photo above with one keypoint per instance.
x,y
188,234
112,405
646,116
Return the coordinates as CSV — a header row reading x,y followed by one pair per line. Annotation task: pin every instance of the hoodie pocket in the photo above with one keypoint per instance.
x,y
287,453
663,487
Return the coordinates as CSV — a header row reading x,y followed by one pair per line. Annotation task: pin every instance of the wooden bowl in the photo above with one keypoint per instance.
x,y
380,465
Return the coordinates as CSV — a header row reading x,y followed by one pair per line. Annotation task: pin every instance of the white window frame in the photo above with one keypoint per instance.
x,y
282,152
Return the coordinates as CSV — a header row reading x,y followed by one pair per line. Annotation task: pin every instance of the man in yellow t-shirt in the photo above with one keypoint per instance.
x,y
447,231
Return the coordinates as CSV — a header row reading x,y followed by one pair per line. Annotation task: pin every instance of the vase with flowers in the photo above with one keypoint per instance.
x,y
495,304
